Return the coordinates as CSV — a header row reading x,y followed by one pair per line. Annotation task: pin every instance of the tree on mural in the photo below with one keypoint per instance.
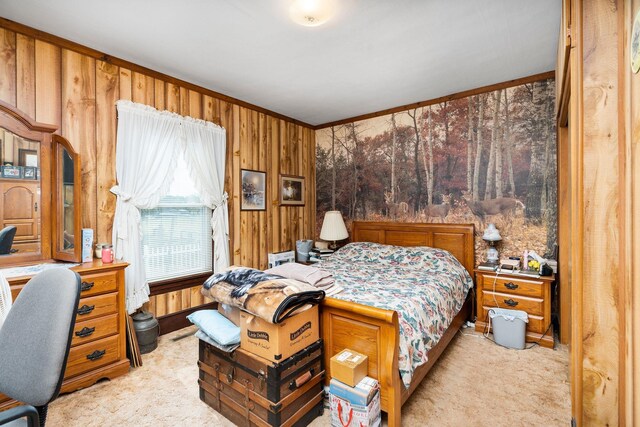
x,y
481,158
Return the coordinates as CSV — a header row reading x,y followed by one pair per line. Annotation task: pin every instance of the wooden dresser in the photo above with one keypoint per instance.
x,y
517,292
98,348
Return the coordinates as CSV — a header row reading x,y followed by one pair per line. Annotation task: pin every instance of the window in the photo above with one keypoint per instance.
x,y
176,238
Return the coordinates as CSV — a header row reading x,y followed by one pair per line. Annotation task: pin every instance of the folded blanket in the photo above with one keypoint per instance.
x,y
311,275
268,296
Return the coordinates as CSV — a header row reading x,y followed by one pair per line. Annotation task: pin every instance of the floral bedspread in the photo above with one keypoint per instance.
x,y
426,286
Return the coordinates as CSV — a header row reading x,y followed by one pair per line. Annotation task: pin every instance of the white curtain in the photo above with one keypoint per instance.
x,y
146,153
204,147
149,144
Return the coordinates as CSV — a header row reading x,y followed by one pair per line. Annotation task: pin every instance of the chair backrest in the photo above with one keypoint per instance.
x,y
6,239
36,336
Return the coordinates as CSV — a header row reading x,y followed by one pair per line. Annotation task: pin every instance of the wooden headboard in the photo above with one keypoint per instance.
x,y
455,238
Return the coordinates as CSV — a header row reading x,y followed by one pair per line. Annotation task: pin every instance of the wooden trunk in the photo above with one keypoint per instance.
x,y
251,391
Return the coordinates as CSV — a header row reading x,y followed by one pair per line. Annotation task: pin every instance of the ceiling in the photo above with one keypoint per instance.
x,y
372,55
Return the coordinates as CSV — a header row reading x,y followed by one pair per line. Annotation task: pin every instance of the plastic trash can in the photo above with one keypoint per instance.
x,y
509,327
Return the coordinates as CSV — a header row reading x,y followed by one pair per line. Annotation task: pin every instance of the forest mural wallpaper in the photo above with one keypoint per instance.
x,y
486,158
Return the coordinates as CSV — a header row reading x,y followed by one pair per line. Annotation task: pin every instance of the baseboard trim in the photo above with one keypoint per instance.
x,y
178,320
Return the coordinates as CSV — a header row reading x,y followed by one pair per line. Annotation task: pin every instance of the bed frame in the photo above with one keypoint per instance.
x,y
374,331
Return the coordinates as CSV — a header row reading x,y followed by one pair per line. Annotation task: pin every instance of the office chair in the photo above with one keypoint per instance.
x,y
34,344
6,239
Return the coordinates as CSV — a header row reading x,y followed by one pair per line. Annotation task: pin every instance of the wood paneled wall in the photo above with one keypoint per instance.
x,y
603,170
76,89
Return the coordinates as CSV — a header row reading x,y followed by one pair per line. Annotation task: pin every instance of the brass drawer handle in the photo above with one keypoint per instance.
x,y
85,332
86,286
510,302
511,286
86,309
96,354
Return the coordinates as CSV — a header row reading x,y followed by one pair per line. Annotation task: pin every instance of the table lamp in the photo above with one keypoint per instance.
x,y
333,228
491,236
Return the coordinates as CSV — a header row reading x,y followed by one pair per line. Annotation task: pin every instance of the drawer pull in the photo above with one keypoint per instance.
x,y
96,355
510,302
511,286
301,380
85,332
86,309
86,286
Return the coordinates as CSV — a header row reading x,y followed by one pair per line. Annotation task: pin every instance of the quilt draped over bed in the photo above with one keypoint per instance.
x,y
426,286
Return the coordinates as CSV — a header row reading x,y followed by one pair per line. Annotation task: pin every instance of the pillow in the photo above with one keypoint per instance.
x,y
206,338
215,325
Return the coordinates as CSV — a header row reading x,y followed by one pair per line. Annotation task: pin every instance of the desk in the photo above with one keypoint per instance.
x,y
100,330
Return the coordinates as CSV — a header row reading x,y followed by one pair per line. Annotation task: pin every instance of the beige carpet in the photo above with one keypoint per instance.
x,y
475,383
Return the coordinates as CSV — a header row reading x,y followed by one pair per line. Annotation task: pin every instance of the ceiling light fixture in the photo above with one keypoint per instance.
x,y
311,13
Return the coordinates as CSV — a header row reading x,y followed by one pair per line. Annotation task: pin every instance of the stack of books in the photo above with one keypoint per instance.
x,y
316,254
487,266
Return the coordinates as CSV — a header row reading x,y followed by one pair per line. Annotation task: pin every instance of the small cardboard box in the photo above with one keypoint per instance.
x,y
277,342
347,414
349,367
230,312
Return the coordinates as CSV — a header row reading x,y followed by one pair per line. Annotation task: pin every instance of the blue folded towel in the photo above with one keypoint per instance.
x,y
215,325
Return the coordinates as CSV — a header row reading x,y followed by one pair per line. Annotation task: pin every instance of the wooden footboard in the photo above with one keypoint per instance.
x,y
375,333
370,331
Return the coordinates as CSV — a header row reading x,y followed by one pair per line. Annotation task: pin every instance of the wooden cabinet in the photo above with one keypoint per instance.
x,y
98,347
530,294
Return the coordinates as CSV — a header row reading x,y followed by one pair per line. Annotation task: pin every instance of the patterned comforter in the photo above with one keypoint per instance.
x,y
426,286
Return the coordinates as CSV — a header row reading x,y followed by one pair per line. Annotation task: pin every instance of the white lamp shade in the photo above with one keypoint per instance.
x,y
491,234
333,227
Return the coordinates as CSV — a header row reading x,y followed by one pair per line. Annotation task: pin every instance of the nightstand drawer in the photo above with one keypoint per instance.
x,y
527,288
530,305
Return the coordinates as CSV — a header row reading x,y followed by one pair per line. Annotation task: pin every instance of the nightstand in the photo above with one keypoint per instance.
x,y
518,292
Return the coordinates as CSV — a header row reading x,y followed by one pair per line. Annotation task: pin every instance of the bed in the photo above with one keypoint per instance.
x,y
374,331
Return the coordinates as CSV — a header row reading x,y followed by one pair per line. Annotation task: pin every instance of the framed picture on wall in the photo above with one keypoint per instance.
x,y
254,190
291,190
28,157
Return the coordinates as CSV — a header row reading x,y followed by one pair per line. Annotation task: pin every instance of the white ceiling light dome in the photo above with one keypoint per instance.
x,y
311,13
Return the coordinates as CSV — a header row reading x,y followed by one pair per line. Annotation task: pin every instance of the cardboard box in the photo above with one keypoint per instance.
x,y
349,367
347,414
277,342
87,245
360,395
230,312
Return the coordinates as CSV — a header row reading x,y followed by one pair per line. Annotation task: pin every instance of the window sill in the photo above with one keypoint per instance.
x,y
178,283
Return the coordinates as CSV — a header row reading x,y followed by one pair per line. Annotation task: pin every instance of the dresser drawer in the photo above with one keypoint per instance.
x,y
527,288
94,284
92,307
535,324
533,306
85,357
94,329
